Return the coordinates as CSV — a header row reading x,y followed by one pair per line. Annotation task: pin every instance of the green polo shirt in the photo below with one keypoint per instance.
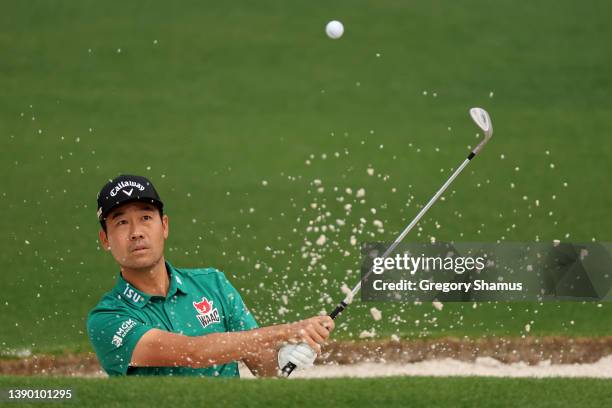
x,y
199,302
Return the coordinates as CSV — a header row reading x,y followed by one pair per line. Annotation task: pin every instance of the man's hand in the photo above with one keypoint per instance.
x,y
313,331
299,354
305,339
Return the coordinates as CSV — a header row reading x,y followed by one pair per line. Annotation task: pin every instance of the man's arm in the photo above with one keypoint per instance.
x,y
158,348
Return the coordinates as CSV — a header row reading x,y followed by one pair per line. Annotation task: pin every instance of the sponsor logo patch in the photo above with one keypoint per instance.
x,y
123,184
132,294
207,314
122,331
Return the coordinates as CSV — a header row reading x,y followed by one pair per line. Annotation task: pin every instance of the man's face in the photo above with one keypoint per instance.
x,y
135,235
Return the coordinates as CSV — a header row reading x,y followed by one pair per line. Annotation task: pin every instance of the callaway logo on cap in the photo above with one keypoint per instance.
x,y
123,189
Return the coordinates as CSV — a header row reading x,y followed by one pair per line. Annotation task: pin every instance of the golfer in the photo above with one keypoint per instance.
x,y
164,320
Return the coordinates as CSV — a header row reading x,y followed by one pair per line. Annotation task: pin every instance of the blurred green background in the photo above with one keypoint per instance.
x,y
253,124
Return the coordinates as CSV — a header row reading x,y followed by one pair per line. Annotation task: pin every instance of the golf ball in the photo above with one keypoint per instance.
x,y
334,29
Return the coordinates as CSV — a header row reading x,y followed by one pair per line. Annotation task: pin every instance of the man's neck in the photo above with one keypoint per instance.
x,y
153,280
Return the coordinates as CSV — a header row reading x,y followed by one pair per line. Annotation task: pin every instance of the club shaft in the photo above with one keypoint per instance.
x,y
289,367
412,224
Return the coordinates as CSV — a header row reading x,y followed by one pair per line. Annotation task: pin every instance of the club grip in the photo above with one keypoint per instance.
x,y
341,306
289,367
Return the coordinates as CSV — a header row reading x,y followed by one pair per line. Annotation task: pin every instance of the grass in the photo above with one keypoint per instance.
x,y
210,100
339,392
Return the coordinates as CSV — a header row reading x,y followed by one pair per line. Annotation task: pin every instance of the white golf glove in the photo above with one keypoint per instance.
x,y
299,354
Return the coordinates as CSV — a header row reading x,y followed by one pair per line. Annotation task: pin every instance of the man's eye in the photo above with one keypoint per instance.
x,y
148,217
120,222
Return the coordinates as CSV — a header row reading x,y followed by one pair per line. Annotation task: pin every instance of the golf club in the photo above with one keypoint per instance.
x,y
483,121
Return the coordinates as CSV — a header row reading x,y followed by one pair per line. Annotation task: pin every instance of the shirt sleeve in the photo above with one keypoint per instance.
x,y
114,335
240,317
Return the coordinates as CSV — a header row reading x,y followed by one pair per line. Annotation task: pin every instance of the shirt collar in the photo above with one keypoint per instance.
x,y
177,280
138,298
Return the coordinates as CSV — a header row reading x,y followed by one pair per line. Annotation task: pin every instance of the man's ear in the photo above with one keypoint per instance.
x,y
165,226
104,240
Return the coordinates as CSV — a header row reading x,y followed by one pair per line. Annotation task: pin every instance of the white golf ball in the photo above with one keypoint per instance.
x,y
334,29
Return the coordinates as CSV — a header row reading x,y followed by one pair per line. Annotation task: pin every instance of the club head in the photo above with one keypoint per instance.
x,y
482,120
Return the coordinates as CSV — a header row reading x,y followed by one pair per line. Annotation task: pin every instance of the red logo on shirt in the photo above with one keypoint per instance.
x,y
206,313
